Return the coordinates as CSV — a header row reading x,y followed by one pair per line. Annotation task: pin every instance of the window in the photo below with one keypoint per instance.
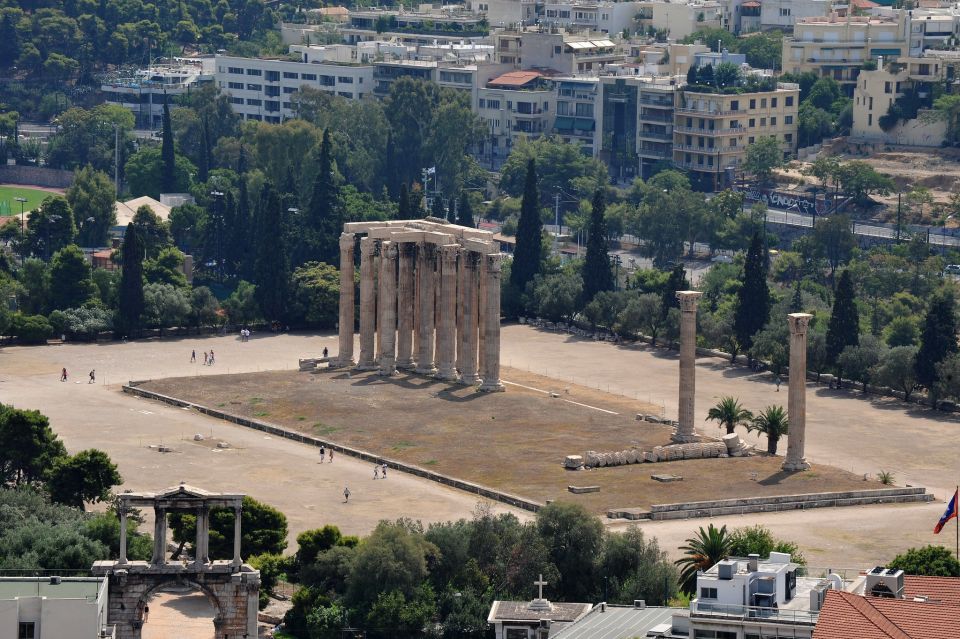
x,y
753,104
708,593
733,143
344,79
773,103
254,87
789,101
253,102
256,72
763,122
788,119
493,104
272,105
483,103
870,119
557,49
236,100
289,90
273,76
345,94
563,108
312,77
871,103
272,91
27,629
763,103
886,87
753,122
735,105
235,70
288,105
734,124
584,110
291,76
773,122
750,140
788,137
235,85
327,81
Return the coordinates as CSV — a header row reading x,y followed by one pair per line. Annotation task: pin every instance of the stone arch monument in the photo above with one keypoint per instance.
x,y
231,586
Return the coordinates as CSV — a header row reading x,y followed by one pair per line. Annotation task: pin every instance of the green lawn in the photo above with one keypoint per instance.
x,y
9,206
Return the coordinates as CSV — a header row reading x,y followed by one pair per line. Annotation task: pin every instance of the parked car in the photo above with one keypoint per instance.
x,y
722,259
952,269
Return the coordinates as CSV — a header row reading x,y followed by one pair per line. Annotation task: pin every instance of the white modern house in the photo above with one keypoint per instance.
x,y
53,608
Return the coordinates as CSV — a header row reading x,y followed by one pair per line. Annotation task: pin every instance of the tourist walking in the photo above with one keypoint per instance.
x,y
383,470
205,358
93,377
63,375
376,471
331,456
211,357
193,356
346,494
322,453
325,351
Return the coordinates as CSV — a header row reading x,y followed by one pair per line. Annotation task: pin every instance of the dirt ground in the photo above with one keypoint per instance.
x,y
513,441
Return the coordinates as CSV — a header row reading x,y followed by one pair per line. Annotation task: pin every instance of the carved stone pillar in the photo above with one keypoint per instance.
x,y
405,305
797,400
447,323
388,308
368,306
425,277
237,512
469,335
159,537
461,270
688,362
123,534
345,351
491,324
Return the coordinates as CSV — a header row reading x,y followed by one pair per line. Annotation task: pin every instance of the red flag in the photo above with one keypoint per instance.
x,y
951,513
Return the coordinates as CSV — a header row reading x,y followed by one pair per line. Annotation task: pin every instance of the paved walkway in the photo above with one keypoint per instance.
x,y
179,616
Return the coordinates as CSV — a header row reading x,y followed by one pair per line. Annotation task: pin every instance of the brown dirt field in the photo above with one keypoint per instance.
x,y
513,441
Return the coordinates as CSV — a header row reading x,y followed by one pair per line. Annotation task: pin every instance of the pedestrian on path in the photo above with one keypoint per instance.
x,y
193,356
331,455
63,375
211,357
376,471
205,360
383,470
325,351
778,383
323,451
346,494
93,377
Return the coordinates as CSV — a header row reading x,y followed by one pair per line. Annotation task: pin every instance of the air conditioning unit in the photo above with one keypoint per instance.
x,y
884,582
640,604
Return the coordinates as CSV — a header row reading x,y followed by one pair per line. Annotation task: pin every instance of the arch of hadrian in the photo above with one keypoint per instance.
x,y
429,300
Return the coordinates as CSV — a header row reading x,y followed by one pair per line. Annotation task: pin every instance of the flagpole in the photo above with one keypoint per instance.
x,y
957,522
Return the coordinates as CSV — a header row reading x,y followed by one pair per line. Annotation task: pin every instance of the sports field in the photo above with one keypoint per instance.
x,y
9,205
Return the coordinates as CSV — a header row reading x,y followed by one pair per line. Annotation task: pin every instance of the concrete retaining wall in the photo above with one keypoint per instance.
x,y
36,176
513,500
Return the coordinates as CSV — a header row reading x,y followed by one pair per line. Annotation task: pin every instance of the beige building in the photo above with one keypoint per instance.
x,y
557,49
711,131
679,19
877,90
837,47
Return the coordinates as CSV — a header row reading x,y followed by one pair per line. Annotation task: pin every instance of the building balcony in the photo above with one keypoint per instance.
x,y
656,155
703,113
693,166
753,613
666,136
699,149
710,132
655,117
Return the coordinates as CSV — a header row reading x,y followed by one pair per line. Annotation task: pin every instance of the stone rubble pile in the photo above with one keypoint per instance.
x,y
729,446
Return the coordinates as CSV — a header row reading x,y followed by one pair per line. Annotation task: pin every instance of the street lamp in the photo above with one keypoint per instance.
x,y
22,201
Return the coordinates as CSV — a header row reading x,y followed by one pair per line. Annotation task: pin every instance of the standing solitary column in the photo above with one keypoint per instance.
x,y
467,350
447,323
345,351
368,307
425,278
159,537
405,306
388,308
491,324
797,401
237,512
688,362
123,534
199,551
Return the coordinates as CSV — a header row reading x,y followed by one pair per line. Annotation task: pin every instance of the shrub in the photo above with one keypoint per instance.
x,y
82,323
30,329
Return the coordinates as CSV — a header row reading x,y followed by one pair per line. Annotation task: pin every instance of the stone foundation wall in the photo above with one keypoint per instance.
x,y
36,176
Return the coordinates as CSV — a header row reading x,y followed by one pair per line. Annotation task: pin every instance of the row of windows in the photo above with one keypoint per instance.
x,y
274,76
735,104
709,125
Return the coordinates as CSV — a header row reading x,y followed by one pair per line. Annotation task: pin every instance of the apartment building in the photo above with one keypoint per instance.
x,y
261,88
415,28
783,14
510,14
604,16
555,48
143,91
576,112
711,131
933,28
910,79
837,47
636,122
679,20
54,608
515,104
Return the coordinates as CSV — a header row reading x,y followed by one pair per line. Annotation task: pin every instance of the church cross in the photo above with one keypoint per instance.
x,y
540,583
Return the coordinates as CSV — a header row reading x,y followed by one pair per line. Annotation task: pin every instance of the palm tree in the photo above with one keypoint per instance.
x,y
701,552
772,422
730,413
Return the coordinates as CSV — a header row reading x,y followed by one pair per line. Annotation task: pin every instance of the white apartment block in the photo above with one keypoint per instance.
x,y
509,14
679,19
261,89
575,120
143,91
566,53
783,14
933,29
54,608
608,17
516,104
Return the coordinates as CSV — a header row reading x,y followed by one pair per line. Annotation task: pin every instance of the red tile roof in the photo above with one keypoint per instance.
x,y
936,589
848,616
750,5
514,79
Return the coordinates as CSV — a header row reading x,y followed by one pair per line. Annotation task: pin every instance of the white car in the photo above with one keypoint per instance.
x,y
722,259
952,269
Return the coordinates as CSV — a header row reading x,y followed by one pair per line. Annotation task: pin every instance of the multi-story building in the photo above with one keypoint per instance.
x,y
143,91
261,88
445,26
636,123
515,104
937,28
837,48
557,49
712,131
505,14
54,608
678,20
576,112
783,14
602,15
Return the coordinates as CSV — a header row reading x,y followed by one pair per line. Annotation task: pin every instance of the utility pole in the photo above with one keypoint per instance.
x,y
556,219
899,213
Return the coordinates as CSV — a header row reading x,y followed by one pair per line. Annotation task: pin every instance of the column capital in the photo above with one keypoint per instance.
x,y
367,246
449,252
799,322
347,240
388,249
493,262
689,300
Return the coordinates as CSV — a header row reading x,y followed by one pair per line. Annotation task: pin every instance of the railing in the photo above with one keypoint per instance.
x,y
740,130
754,613
666,136
655,118
704,112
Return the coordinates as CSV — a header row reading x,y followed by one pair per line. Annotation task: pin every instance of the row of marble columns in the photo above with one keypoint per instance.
x,y
430,308
202,543
797,387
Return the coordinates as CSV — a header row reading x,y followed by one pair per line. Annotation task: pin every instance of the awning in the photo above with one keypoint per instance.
x,y
583,124
563,123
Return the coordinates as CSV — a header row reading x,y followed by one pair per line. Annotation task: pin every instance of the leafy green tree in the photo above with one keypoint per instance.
x,y
315,294
50,227
263,530
773,423
394,558
824,93
933,561
154,233
168,170
574,540
557,296
727,74
858,361
730,413
29,329
559,166
166,268
597,275
85,477
130,306
70,282
311,543
677,281
635,567
271,275
394,614
242,307
938,339
144,173
771,344
897,369
948,378
28,446
844,327
465,211
859,179
527,255
834,238
763,50
165,305
762,157
813,124
713,38
758,540
204,307
753,297
93,199
701,552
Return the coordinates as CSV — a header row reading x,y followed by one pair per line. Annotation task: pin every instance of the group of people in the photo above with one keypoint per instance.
x,y
244,334
323,453
92,375
380,471
208,358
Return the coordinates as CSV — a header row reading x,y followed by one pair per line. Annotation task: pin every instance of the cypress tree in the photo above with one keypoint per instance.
x,y
596,267
403,204
437,209
241,231
168,171
844,327
203,167
464,211
938,340
692,75
324,219
130,307
676,282
753,298
270,268
526,256
796,304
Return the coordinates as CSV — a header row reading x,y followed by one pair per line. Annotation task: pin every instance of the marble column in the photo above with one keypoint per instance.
x,y
405,305
447,321
368,306
159,537
417,268
797,400
123,534
481,311
425,277
688,361
200,537
237,512
388,308
490,303
345,351
468,334
461,272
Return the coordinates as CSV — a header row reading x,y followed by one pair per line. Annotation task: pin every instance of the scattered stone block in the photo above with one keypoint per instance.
x,y
198,437
666,478
223,445
573,462
579,490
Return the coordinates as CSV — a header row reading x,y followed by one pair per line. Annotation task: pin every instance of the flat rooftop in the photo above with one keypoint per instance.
x,y
68,588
